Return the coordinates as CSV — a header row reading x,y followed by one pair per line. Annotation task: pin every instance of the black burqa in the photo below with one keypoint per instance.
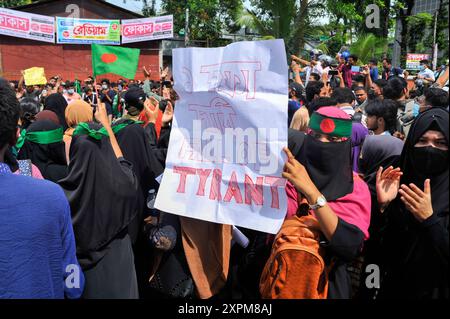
x,y
384,151
136,147
139,147
102,192
49,158
417,253
57,103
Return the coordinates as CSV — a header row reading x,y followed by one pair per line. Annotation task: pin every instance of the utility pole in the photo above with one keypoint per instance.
x,y
186,27
435,45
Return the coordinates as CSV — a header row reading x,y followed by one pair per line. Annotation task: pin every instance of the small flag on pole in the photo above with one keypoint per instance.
x,y
113,59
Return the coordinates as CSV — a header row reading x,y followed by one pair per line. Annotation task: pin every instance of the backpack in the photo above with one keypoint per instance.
x,y
296,268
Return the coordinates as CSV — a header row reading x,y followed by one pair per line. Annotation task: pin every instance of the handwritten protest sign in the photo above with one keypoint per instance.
x,y
225,156
27,25
34,76
88,31
137,30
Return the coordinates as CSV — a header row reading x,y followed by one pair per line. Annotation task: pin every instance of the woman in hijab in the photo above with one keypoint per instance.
x,y
48,115
77,112
414,198
359,133
339,198
43,145
101,188
57,103
377,151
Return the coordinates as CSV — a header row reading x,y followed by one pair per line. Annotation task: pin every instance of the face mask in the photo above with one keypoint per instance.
x,y
422,68
104,87
430,160
64,91
70,91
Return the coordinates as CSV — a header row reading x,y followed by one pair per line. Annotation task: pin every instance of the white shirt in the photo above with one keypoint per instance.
x,y
427,73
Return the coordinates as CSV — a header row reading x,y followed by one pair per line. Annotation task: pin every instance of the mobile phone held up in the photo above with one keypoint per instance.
x,y
356,69
333,72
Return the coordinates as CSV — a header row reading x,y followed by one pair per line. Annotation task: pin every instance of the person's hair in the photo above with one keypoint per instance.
x,y
381,83
388,60
359,78
315,76
28,110
386,109
300,120
343,95
9,112
436,97
424,62
360,88
105,81
394,88
113,84
354,57
312,89
320,102
373,61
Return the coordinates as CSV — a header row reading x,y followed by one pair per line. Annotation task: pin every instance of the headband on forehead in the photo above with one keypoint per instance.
x,y
330,125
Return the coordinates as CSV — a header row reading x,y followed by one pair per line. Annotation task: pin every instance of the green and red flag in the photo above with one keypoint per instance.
x,y
114,59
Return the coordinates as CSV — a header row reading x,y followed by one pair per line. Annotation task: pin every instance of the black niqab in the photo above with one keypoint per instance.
x,y
102,192
329,166
49,158
57,103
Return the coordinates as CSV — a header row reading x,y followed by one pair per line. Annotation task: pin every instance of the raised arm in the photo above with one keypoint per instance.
x,y
102,117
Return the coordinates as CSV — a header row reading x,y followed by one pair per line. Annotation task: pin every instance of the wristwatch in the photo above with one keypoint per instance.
x,y
321,202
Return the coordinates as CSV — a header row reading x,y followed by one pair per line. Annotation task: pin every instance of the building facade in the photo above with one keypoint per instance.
x,y
71,61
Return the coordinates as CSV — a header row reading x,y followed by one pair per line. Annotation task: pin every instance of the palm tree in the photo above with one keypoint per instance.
x,y
368,46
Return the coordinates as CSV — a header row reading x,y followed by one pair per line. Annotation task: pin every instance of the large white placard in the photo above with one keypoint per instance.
x,y
156,28
27,25
225,156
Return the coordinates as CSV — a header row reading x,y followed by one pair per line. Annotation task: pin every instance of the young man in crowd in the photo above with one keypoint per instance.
x,y
390,71
381,116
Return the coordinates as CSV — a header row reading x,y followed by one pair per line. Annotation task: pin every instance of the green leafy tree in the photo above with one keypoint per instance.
x,y
208,19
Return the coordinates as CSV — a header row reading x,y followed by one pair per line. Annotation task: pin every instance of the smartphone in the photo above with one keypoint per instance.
x,y
356,69
333,72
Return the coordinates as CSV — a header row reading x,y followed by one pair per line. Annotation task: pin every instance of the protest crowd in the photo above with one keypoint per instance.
x,y
367,188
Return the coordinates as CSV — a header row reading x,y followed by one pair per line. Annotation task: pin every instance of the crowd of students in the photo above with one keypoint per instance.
x,y
367,171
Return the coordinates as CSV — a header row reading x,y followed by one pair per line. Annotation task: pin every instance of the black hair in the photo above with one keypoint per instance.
x,y
28,110
312,89
373,61
394,88
425,62
360,88
320,102
389,61
359,78
386,109
9,112
113,84
354,57
436,97
105,81
381,83
315,76
343,95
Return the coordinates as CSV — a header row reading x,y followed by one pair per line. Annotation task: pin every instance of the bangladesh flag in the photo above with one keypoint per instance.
x,y
117,60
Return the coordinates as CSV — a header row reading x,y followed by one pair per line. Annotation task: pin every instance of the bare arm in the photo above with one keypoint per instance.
x,y
296,173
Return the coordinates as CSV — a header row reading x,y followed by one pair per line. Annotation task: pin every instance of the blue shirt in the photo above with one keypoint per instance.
x,y
374,74
37,244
